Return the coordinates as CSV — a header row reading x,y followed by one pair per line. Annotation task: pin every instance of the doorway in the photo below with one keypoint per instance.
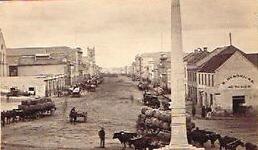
x,y
238,101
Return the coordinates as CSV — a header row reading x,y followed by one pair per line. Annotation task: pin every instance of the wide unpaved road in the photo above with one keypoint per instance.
x,y
110,107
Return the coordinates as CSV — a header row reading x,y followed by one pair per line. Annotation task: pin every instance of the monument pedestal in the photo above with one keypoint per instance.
x,y
180,147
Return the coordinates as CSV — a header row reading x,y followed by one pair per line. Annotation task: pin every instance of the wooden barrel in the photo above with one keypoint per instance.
x,y
144,109
148,122
164,136
149,113
141,118
156,113
165,126
155,122
165,116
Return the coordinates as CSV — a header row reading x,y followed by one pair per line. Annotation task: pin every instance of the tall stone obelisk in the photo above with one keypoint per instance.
x,y
178,123
178,112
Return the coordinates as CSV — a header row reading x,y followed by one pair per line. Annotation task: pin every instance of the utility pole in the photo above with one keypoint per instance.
x,y
230,38
140,62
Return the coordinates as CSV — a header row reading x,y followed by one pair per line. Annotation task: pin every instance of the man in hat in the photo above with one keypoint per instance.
x,y
102,137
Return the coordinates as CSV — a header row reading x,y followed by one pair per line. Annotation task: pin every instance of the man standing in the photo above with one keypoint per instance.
x,y
193,111
203,111
102,137
73,115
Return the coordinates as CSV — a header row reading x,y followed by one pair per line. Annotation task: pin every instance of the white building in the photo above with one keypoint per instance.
x,y
3,63
228,78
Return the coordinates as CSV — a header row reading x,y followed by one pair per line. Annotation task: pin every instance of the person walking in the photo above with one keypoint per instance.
x,y
203,112
73,115
102,137
193,110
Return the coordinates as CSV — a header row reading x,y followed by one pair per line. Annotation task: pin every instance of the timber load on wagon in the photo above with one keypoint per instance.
x,y
28,110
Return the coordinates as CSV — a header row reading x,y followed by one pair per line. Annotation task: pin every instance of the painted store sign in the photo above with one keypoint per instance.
x,y
238,86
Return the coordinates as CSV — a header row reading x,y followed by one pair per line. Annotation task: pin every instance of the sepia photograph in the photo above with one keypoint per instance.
x,y
129,74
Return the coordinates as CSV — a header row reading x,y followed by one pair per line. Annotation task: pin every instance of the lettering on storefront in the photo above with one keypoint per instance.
x,y
239,86
238,76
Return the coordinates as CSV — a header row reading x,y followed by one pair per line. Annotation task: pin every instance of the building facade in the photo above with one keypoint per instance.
x,y
51,61
228,80
3,63
191,72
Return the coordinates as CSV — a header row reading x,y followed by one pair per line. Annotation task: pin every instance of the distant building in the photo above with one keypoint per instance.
x,y
46,61
91,60
227,78
3,63
191,71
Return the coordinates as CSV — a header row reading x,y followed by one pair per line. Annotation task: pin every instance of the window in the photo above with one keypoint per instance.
x,y
212,80
13,71
199,78
202,79
209,79
205,79
2,46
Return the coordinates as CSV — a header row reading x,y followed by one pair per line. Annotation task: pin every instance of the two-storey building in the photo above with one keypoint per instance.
x,y
228,78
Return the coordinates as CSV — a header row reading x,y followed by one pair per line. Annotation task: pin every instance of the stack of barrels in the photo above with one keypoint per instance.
x,y
157,122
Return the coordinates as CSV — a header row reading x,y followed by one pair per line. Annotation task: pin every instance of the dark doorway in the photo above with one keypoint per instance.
x,y
238,101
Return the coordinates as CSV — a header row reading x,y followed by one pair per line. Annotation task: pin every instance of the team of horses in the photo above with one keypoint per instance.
x,y
196,137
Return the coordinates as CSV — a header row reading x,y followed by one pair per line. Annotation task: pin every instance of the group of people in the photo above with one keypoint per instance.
x,y
206,112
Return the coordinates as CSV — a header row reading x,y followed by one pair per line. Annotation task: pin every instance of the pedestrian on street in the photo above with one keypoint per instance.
x,y
203,112
73,115
102,137
193,111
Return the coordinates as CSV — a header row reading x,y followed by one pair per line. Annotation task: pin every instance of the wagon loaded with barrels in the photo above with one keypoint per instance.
x,y
156,122
29,110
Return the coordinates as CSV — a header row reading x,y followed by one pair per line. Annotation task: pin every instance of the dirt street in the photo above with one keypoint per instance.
x,y
110,107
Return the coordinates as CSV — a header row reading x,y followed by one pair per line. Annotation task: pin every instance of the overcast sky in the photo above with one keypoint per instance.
x,y
119,29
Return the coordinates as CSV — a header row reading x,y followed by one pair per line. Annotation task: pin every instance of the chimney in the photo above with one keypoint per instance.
x,y
195,50
205,49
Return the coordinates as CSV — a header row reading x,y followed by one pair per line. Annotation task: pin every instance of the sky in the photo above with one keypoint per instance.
x,y
120,29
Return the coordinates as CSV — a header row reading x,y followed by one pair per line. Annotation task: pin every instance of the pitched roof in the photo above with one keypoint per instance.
x,y
253,57
216,61
194,57
36,50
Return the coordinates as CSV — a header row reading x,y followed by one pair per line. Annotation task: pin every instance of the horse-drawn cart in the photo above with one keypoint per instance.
x,y
74,117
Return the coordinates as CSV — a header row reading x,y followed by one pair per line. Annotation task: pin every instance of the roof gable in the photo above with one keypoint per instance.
x,y
216,61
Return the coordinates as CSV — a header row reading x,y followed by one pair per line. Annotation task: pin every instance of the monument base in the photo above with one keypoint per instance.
x,y
180,147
